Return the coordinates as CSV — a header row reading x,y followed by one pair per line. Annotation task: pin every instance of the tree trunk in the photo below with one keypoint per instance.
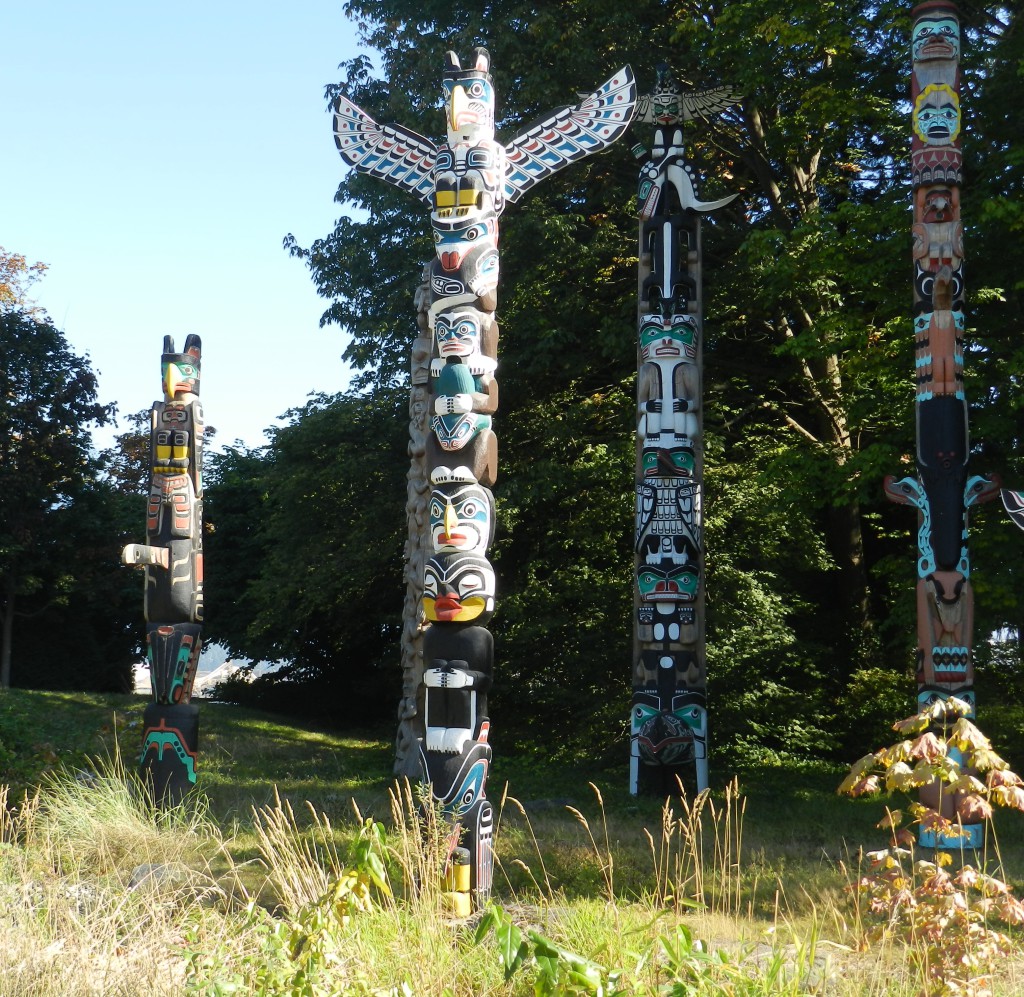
x,y
8,633
846,542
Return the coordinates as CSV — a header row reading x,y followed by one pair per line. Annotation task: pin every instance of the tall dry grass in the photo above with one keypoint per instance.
x,y
100,894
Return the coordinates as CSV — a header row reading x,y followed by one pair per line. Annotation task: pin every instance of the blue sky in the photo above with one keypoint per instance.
x,y
155,156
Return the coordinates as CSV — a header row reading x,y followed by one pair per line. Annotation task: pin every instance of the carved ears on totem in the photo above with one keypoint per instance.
x,y
193,347
481,57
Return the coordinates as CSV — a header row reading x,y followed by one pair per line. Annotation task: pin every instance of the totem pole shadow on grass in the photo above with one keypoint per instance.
x,y
465,182
173,561
669,722
942,492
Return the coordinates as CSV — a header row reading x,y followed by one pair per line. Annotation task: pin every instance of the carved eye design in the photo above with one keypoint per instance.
x,y
473,233
469,509
476,89
470,583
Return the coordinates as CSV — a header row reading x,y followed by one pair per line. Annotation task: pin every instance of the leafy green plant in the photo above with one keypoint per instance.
x,y
301,953
945,917
558,971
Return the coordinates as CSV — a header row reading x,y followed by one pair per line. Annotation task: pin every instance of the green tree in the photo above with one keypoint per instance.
x,y
47,405
304,561
808,349
17,275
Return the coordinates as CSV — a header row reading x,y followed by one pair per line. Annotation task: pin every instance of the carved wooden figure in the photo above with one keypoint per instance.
x,y
173,560
668,722
465,182
943,491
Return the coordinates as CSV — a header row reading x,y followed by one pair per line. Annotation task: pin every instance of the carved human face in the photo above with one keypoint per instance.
x,y
668,462
458,333
674,337
936,36
937,115
665,98
461,518
927,696
458,588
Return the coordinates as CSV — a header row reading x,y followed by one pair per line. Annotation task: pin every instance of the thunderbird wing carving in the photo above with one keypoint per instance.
x,y
389,152
692,105
569,134
1013,502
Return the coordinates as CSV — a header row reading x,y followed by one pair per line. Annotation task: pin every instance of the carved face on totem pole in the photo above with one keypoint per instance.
x,y
461,518
936,36
456,431
469,99
668,462
458,588
669,731
665,107
672,337
467,333
668,582
937,115
179,372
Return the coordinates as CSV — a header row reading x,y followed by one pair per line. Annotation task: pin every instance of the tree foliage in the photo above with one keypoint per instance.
x,y
60,526
808,392
304,557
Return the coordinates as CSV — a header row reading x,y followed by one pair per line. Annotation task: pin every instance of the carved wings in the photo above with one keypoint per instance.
x,y
1013,502
405,158
695,104
389,152
570,134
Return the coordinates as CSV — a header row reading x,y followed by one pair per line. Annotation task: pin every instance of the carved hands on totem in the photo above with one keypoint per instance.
x,y
466,181
173,561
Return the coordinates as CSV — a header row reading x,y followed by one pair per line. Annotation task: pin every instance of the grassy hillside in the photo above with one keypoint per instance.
x,y
759,871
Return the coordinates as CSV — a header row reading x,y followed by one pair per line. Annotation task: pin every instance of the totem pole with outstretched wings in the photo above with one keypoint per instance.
x,y
466,182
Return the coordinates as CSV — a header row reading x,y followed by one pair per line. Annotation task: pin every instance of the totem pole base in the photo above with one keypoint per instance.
x,y
170,742
671,780
969,837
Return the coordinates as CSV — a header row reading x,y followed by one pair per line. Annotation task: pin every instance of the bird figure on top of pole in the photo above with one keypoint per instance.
x,y
466,182
668,716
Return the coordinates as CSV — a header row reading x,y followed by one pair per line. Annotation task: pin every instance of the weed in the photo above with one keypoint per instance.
x,y
945,917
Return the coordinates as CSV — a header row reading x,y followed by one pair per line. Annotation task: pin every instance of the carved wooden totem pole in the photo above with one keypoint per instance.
x,y
668,728
466,183
943,491
173,560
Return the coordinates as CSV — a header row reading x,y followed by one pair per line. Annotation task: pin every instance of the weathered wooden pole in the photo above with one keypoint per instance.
x,y
943,491
668,721
173,560
466,183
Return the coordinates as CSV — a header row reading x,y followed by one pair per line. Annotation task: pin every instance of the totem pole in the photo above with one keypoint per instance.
x,y
668,726
173,560
466,183
942,492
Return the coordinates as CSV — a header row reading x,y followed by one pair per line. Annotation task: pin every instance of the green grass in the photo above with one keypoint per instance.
x,y
589,877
